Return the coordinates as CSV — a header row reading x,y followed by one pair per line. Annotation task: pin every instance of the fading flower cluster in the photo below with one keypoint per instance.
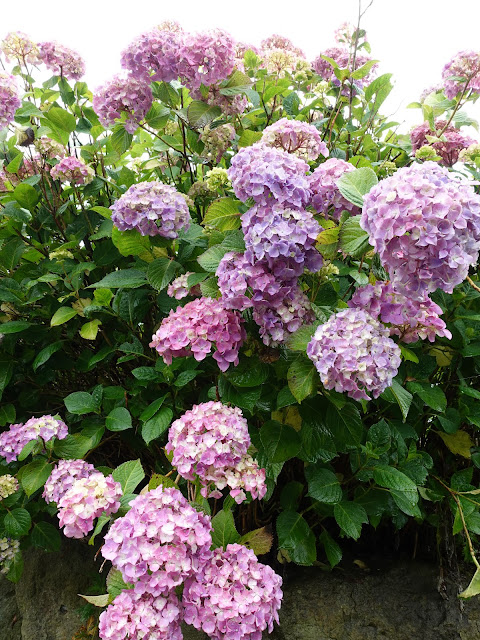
x,y
9,547
180,288
346,33
197,328
425,226
447,146
281,61
230,105
326,196
48,148
296,137
233,596
8,485
206,58
276,41
200,189
61,60
162,540
210,442
411,320
471,155
217,179
9,99
265,173
139,614
152,208
72,170
344,59
154,55
353,353
461,72
62,478
88,498
18,435
123,96
283,316
19,47
217,141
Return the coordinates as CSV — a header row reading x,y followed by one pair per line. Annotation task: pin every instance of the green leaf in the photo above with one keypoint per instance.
x,y
459,443
152,408
61,119
248,138
432,395
299,340
129,475
355,184
104,211
323,485
332,549
158,480
157,425
259,541
119,419
73,446
126,278
97,601
362,71
15,568
302,378
121,140
115,582
224,530
346,425
45,354
280,441
80,402
296,537
15,326
352,238
34,475
249,373
200,114
223,214
46,536
17,523
129,243
350,517
62,315
161,272
473,588
89,330
402,396
392,478
14,165
26,196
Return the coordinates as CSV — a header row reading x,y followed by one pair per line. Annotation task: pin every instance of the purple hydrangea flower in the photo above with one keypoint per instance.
x,y
72,170
265,173
154,55
296,137
326,196
425,226
233,596
61,60
462,71
63,476
18,435
198,327
152,208
344,59
353,353
9,99
128,96
448,147
206,58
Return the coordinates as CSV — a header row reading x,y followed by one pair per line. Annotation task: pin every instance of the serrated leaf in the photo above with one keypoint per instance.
x,y
119,419
26,196
158,480
350,517
323,485
302,378
130,242
157,425
299,340
259,541
17,522
459,443
332,549
80,402
248,137
62,315
352,238
353,185
115,582
121,140
161,272
224,530
200,114
249,373
280,441
46,536
34,475
432,395
296,537
402,396
129,475
346,426
223,214
125,278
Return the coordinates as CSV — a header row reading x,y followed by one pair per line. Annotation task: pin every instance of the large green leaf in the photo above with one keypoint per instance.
x,y
350,517
80,402
17,522
157,425
119,419
223,214
46,536
432,395
296,537
161,272
323,485
302,378
129,475
332,549
353,185
34,475
346,425
224,530
352,238
280,441
126,278
200,114
130,243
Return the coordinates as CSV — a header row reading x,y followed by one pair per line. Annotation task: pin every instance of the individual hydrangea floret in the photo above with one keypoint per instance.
x,y
61,60
72,170
63,475
153,55
152,208
8,485
180,288
265,174
344,58
19,47
447,146
353,353
206,58
88,498
123,96
134,615
217,141
234,596
9,547
461,73
411,320
197,328
296,137
326,196
9,99
425,226
17,436
161,536
48,148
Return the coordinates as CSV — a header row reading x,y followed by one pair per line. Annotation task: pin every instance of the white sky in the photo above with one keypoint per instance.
x,y
413,39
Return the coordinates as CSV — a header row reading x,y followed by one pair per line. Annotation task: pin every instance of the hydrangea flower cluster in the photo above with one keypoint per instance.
x,y
180,288
353,353
425,226
462,71
63,476
233,596
18,46
206,58
88,498
9,547
162,540
9,99
346,33
230,105
217,179
217,141
152,208
411,320
265,173
72,170
61,60
198,327
471,155
119,96
136,614
210,442
281,61
344,59
296,137
326,196
153,55
448,146
276,41
8,485
18,435
48,148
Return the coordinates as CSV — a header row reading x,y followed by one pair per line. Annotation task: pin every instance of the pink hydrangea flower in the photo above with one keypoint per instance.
x,y
206,58
161,538
276,41
344,58
18,435
119,96
296,137
198,327
61,60
48,148
72,170
353,353
88,498
448,147
326,196
63,475
462,71
9,99
180,288
234,596
154,55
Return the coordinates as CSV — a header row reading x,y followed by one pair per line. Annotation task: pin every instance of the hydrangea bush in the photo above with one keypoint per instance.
x,y
238,317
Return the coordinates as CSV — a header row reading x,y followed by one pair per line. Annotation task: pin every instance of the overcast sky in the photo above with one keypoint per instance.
x,y
413,39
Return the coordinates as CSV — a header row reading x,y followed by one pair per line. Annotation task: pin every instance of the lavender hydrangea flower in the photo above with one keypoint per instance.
x,y
162,538
425,226
265,173
296,137
72,170
19,47
9,99
353,353
448,147
198,327
119,96
152,208
234,596
8,485
18,435
154,55
61,60
326,196
63,475
461,72
344,59
206,58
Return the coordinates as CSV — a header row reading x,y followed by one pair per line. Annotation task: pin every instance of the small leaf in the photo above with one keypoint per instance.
x,y
352,238
323,485
296,537
157,425
280,441
129,475
34,475
473,588
459,443
120,140
80,402
350,517
17,522
224,530
126,278
161,272
119,419
62,315
332,549
97,601
45,354
15,326
302,378
46,536
89,330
